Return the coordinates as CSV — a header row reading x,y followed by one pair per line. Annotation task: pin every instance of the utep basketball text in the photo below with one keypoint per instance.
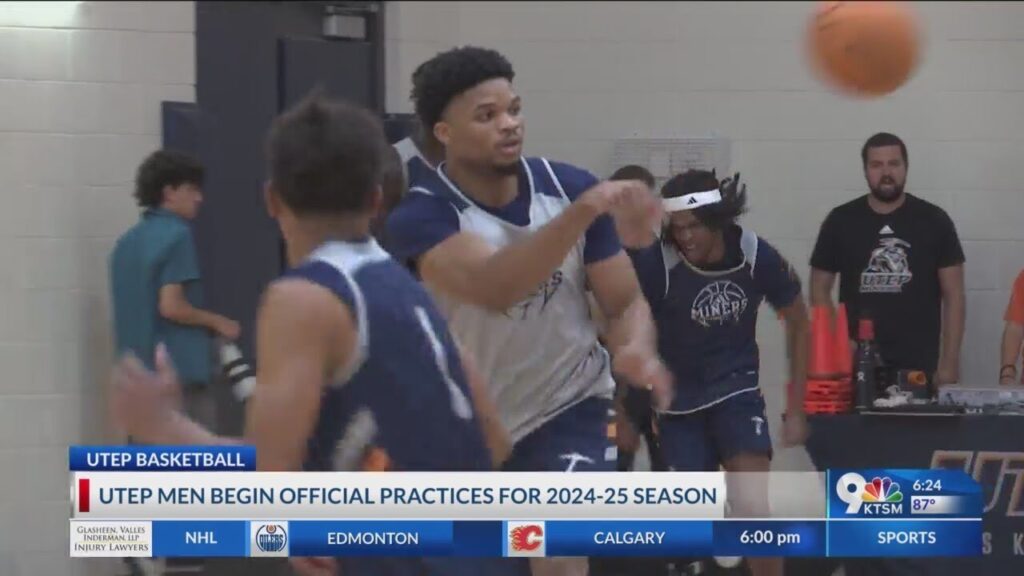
x,y
181,460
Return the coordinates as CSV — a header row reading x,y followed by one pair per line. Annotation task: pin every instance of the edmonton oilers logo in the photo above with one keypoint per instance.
x,y
718,304
271,538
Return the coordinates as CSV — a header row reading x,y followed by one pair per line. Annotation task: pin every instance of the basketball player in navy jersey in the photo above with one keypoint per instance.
x,y
420,152
509,246
705,281
393,186
352,352
405,162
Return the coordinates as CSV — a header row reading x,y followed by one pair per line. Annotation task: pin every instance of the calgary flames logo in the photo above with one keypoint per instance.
x,y
526,538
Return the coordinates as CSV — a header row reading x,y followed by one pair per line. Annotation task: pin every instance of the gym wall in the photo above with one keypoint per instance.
x,y
80,90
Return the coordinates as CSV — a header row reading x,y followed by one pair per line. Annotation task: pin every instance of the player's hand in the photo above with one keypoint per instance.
x,y
643,368
142,401
637,219
1008,375
315,566
227,329
626,437
946,375
794,429
609,194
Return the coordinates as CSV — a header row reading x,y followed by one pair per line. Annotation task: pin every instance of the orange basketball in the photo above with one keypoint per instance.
x,y
864,48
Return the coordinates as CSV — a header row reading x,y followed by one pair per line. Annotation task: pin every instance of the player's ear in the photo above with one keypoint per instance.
x,y
377,201
271,200
442,131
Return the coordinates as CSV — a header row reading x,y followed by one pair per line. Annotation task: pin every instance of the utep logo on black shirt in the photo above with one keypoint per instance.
x,y
719,303
888,269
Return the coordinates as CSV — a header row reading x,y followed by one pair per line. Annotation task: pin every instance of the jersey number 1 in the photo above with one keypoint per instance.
x,y
460,404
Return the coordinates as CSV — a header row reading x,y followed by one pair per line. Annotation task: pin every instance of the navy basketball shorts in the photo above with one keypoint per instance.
x,y
580,439
703,440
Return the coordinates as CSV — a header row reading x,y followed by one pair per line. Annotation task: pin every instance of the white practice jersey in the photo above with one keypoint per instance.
x,y
540,356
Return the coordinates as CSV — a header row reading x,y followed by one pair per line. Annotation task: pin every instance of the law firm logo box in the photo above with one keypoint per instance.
x,y
524,539
268,539
111,539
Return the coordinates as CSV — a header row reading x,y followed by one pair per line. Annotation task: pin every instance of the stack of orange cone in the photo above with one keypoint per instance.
x,y
829,364
821,358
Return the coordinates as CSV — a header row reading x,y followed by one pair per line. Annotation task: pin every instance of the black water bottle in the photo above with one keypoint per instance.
x,y
865,366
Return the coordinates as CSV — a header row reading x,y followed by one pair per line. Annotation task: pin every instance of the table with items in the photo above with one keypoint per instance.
x,y
988,444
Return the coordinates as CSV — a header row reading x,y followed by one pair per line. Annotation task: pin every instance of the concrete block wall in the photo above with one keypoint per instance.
x,y
593,72
80,91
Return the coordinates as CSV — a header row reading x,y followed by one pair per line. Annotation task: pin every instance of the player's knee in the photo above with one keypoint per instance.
x,y
748,505
747,483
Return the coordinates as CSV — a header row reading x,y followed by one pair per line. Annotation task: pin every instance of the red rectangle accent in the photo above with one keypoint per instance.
x,y
83,494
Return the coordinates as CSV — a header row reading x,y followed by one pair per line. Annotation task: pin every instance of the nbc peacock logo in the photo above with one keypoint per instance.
x,y
882,490
881,496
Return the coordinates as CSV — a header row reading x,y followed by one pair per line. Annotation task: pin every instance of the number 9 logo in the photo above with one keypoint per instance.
x,y
850,489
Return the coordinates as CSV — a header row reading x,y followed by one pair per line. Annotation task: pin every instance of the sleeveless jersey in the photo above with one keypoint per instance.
x,y
404,395
541,356
707,319
414,165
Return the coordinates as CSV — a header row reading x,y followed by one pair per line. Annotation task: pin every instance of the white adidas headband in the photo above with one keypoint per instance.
x,y
691,201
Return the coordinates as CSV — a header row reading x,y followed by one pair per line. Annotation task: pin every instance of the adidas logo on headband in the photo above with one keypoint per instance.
x,y
691,201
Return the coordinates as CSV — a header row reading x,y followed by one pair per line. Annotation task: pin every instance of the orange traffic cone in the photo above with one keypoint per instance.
x,y
821,360
844,356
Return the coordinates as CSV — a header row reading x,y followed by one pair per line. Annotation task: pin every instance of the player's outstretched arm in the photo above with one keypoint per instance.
x,y
630,332
466,267
303,332
794,317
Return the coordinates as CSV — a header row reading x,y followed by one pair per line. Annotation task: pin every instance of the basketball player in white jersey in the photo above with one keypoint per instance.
x,y
509,247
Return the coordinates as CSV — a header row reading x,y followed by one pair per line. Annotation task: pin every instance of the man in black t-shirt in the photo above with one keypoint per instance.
x,y
899,262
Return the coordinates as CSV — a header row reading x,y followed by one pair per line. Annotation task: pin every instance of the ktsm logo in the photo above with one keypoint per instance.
x,y
881,496
526,539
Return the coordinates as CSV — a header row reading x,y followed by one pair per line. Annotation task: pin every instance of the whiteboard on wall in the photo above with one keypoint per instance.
x,y
666,157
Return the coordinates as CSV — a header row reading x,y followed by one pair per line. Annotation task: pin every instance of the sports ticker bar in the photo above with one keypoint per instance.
x,y
618,538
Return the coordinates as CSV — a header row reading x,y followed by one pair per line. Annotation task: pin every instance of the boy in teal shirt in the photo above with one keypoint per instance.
x,y
155,281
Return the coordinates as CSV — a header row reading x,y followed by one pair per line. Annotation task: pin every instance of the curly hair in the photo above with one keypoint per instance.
x,y
165,168
720,214
326,156
438,80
